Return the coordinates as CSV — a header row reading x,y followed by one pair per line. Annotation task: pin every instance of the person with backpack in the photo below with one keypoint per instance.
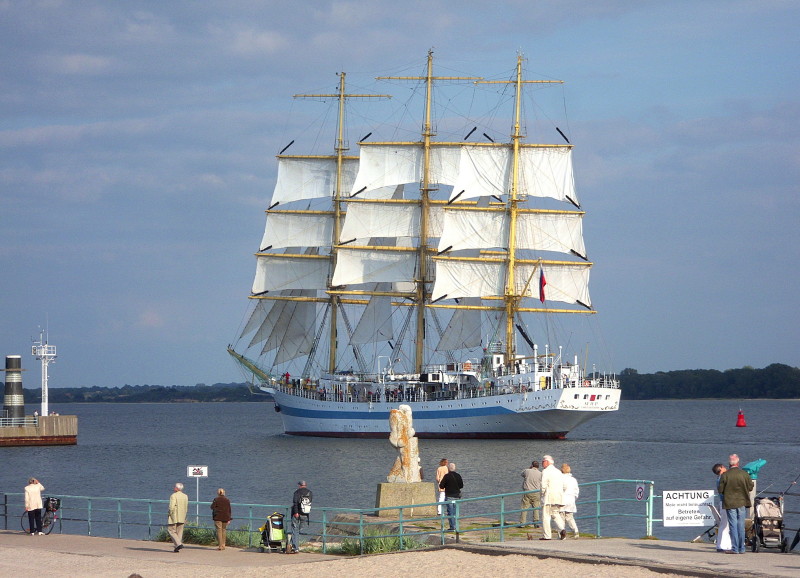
x,y
301,506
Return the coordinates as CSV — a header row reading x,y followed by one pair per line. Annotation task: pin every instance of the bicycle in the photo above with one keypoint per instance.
x,y
50,518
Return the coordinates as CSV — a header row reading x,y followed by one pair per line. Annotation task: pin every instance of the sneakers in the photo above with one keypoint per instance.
x,y
41,533
563,534
576,536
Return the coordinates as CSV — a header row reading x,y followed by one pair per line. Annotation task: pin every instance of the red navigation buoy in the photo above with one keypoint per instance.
x,y
740,420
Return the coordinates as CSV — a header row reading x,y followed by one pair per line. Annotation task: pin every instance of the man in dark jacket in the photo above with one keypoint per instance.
x,y
735,486
301,492
451,484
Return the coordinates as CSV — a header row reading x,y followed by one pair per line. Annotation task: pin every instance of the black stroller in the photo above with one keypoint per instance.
x,y
767,528
273,534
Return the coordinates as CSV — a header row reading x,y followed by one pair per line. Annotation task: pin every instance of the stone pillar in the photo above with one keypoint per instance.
x,y
13,401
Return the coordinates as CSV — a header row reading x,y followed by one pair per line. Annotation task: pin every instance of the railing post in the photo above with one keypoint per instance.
x,y
119,518
324,531
361,532
400,521
149,518
502,518
458,520
597,504
89,515
649,523
250,526
5,511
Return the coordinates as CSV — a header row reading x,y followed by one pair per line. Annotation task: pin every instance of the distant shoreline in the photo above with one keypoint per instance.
x,y
776,381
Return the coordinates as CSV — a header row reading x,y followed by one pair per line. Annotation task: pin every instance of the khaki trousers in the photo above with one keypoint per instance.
x,y
176,533
222,528
533,500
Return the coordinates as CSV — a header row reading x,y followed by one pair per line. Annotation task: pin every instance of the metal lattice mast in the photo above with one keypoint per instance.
x,y
47,355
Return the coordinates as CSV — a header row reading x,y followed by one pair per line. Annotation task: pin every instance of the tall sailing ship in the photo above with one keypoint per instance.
x,y
408,275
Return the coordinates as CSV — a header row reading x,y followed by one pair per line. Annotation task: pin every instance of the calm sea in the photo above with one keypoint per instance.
x,y
140,450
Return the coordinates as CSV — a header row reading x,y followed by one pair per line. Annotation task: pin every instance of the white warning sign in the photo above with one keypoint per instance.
x,y
688,508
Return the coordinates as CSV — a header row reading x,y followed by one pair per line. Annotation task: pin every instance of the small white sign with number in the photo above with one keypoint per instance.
x,y
640,492
197,471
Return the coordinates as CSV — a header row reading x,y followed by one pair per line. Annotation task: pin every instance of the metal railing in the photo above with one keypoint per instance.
x,y
494,518
28,420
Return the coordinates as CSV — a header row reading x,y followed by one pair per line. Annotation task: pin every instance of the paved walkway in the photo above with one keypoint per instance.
x,y
70,555
699,559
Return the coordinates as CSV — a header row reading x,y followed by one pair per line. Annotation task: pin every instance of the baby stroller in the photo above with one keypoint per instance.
x,y
273,534
767,528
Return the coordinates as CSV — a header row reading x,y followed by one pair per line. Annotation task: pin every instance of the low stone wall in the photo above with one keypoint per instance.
x,y
400,494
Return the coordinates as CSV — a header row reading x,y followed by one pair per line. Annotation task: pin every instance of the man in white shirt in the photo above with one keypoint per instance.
x,y
552,498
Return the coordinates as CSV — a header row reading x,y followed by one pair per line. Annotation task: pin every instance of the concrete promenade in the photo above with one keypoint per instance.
x,y
700,559
71,555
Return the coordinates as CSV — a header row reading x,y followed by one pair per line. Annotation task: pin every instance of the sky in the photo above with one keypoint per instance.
x,y
137,144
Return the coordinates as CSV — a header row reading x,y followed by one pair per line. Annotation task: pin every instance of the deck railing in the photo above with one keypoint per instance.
x,y
625,506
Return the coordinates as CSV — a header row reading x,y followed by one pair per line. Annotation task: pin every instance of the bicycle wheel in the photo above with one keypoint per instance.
x,y
24,522
48,521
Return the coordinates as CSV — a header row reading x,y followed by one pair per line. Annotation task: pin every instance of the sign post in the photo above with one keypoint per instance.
x,y
688,508
197,472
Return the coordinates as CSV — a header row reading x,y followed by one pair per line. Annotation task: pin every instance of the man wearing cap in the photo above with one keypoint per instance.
x,y
552,498
301,492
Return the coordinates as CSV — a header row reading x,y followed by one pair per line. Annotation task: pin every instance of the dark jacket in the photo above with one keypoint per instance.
x,y
221,509
451,484
735,486
298,495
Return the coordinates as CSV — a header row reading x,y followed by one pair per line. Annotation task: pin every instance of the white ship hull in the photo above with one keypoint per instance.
x,y
547,414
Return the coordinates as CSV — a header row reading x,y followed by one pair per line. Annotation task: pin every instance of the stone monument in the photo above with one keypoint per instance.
x,y
405,486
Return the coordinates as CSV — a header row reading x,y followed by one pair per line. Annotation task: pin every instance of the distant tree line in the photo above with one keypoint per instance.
x,y
146,394
776,381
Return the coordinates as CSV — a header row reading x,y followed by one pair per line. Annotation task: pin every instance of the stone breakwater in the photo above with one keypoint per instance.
x,y
51,430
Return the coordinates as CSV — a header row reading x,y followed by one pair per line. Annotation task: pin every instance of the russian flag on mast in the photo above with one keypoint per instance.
x,y
542,283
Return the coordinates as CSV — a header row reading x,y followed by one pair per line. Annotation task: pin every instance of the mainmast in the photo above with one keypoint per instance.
x,y
340,150
426,187
512,297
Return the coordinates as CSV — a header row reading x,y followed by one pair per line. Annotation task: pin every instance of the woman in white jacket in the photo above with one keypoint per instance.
x,y
571,492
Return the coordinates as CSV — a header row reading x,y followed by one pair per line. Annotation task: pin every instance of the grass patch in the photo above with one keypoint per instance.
x,y
207,536
375,542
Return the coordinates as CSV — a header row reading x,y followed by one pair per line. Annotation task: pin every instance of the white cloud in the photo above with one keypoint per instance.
x,y
80,64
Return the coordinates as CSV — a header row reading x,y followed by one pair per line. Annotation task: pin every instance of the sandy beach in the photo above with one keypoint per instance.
x,y
67,555
18,562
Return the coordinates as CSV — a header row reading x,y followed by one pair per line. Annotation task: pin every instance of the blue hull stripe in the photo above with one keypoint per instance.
x,y
384,415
